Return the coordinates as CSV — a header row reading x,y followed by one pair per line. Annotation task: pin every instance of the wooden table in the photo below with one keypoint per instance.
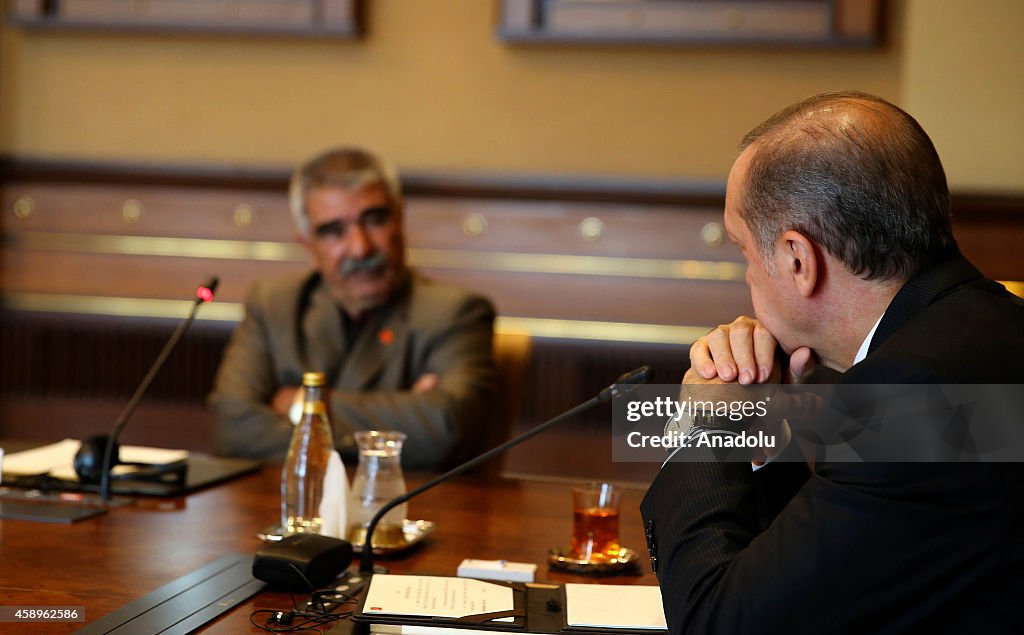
x,y
105,562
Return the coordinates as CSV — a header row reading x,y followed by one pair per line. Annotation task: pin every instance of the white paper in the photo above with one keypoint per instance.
x,y
57,459
424,629
333,506
614,606
435,596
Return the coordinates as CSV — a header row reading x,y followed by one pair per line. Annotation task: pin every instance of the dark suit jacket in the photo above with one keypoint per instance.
x,y
291,326
861,547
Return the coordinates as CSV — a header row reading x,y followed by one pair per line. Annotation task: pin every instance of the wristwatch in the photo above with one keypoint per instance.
x,y
687,425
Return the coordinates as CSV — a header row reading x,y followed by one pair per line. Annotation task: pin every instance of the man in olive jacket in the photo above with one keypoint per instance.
x,y
401,352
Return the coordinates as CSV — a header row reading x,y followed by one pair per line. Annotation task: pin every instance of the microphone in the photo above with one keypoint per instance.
x,y
90,451
624,384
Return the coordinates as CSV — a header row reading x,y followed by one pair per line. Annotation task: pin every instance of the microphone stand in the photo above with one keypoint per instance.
x,y
622,385
203,294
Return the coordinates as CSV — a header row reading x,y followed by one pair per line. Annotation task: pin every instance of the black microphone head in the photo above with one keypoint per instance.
x,y
626,382
89,459
636,376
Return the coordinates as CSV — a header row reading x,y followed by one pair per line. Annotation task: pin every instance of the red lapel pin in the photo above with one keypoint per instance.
x,y
386,336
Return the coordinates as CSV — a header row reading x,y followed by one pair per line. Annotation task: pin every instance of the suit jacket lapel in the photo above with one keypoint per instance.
x,y
322,330
919,292
381,339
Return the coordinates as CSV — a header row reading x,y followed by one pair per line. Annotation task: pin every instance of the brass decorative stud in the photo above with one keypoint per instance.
x,y
591,228
243,215
712,234
131,211
474,225
23,207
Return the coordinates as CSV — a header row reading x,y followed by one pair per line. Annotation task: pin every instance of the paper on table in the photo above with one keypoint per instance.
x,y
426,629
614,606
435,596
57,459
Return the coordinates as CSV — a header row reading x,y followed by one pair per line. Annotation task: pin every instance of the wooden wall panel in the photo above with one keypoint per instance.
x,y
652,257
627,230
995,247
127,276
607,298
162,211
583,260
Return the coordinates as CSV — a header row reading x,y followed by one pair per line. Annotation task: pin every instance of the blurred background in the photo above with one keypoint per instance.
x,y
566,157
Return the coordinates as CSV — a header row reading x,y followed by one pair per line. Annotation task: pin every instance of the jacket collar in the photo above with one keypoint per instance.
x,y
323,345
920,291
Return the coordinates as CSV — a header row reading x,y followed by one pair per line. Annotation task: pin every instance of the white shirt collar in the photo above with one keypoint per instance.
x,y
862,352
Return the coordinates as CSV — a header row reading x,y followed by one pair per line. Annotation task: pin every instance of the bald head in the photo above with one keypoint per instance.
x,y
857,175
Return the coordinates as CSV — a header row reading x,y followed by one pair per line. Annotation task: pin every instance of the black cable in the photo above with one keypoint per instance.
x,y
308,622
317,612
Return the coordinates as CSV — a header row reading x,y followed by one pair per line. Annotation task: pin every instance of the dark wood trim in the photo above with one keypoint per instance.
x,y
415,183
124,173
989,207
853,23
337,19
684,192
188,30
972,206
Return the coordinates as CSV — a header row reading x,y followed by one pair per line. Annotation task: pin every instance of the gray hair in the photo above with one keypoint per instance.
x,y
857,175
346,168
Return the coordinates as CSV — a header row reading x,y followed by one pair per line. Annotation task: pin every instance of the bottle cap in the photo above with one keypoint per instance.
x,y
313,379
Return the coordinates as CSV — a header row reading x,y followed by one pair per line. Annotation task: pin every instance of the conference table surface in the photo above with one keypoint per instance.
x,y
105,562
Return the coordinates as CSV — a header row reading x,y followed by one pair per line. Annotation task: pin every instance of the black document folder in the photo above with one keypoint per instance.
x,y
200,470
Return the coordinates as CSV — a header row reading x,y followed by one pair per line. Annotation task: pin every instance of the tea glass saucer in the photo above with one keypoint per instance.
x,y
625,561
413,532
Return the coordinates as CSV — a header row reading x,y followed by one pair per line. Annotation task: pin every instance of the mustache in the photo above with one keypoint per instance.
x,y
374,262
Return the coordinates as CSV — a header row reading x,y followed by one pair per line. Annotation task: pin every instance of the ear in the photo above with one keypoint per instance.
x,y
798,259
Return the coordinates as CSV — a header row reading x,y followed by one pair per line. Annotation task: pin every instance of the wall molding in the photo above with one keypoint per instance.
x,y
506,262
687,192
232,312
969,205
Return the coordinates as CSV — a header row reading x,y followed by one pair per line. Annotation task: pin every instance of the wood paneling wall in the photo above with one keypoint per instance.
x,y
624,260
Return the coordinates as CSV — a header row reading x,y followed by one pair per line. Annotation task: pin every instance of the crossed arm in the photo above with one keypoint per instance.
x,y
451,392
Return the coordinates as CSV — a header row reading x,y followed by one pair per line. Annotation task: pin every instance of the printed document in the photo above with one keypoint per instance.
x,y
435,596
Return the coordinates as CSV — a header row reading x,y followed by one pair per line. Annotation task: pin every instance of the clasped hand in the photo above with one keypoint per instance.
x,y
745,352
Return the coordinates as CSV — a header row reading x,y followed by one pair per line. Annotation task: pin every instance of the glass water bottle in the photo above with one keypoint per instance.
x,y
302,478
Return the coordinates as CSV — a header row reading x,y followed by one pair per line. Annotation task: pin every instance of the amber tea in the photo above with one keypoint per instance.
x,y
595,522
595,533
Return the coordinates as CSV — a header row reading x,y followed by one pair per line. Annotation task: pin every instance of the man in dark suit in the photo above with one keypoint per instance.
x,y
840,206
400,352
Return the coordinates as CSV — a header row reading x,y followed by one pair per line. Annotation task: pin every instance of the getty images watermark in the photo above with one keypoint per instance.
x,y
855,423
688,423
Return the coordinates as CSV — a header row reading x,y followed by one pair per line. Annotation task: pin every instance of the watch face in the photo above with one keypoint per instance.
x,y
679,425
